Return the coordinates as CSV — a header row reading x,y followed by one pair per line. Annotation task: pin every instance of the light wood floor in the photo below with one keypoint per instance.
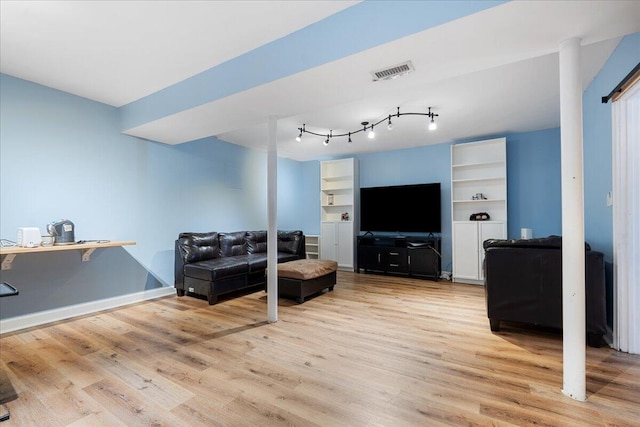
x,y
378,351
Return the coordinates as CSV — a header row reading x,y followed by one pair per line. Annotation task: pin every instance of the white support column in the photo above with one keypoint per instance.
x,y
272,215
573,252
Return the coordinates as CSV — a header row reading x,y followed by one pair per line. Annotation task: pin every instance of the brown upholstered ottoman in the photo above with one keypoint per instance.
x,y
305,277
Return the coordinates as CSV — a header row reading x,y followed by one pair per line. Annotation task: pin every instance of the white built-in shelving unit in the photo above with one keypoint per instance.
x,y
477,168
339,194
312,246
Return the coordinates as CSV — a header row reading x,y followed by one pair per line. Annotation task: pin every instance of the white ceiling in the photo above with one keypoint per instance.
x,y
116,52
486,74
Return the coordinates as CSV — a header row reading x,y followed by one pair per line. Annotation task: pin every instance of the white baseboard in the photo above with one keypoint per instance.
x,y
467,281
40,318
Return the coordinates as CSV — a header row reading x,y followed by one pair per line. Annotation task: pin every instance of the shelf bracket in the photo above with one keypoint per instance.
x,y
7,261
86,254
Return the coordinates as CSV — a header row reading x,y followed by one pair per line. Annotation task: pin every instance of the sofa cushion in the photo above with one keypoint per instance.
x,y
289,241
216,269
285,257
232,244
305,269
256,242
196,247
257,262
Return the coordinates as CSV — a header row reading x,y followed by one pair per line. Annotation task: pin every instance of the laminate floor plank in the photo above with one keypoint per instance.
x,y
376,351
75,368
130,405
140,375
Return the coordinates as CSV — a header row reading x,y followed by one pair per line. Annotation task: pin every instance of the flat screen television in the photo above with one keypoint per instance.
x,y
401,208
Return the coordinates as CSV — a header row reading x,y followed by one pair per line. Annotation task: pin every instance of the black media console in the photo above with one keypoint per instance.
x,y
414,256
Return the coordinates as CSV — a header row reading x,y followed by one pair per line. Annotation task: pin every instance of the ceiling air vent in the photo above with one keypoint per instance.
x,y
393,72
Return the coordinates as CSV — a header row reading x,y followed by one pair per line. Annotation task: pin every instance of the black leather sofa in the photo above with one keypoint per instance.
x,y
523,283
211,264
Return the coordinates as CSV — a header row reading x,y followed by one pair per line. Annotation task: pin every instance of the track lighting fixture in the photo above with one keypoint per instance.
x,y
366,127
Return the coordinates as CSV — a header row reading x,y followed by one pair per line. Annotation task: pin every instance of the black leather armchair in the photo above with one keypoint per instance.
x,y
523,283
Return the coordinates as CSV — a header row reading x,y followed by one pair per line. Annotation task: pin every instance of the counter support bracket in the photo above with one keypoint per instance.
x,y
7,261
86,254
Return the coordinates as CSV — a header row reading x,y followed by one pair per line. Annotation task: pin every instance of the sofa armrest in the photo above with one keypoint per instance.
x,y
596,294
193,247
178,267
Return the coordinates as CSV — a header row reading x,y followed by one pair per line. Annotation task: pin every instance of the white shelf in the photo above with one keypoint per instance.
x,y
479,201
488,221
330,189
337,178
342,205
10,253
491,178
479,164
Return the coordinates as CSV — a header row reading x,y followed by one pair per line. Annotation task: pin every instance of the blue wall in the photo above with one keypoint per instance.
x,y
427,164
533,183
598,144
62,156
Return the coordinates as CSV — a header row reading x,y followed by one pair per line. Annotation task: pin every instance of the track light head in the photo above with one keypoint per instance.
x,y
302,130
389,125
326,142
432,125
371,133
